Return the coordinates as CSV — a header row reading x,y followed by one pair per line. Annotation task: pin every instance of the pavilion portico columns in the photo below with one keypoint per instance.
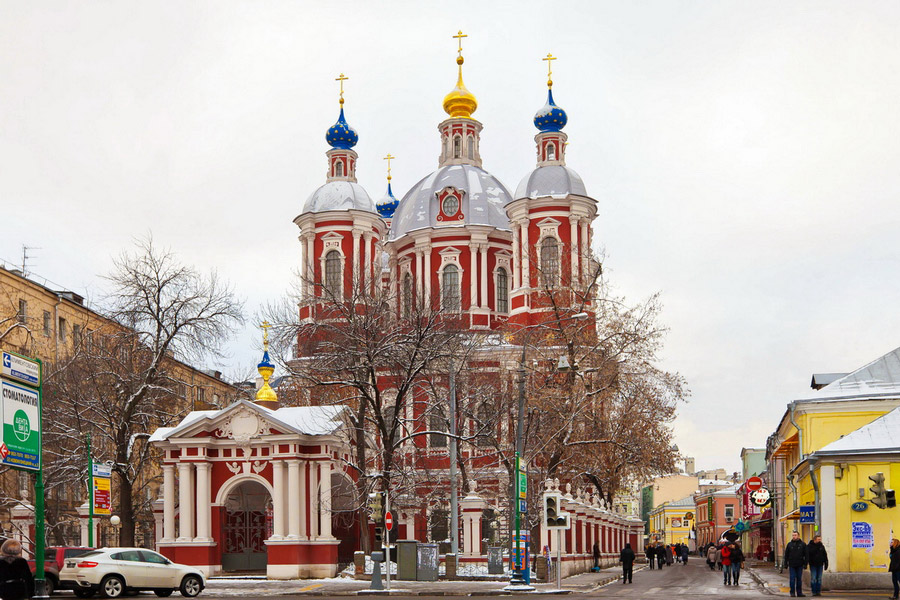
x,y
168,503
204,514
185,501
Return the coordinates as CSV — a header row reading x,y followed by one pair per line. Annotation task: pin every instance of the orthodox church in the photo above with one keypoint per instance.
x,y
260,486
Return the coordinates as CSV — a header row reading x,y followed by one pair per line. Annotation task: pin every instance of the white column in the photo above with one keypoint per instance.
x,y
828,512
428,278
516,282
367,262
420,279
356,270
585,240
309,268
473,270
294,499
325,494
185,502
277,500
168,503
484,276
204,516
313,500
302,496
573,248
526,274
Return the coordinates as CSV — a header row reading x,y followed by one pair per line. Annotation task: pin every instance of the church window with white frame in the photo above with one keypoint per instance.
x,y
549,262
502,291
450,297
333,273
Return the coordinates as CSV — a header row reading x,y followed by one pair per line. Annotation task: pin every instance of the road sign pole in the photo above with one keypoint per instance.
x,y
90,493
40,580
387,562
559,559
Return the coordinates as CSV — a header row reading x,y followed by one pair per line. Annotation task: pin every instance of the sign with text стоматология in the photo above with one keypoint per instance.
x,y
102,493
20,407
862,535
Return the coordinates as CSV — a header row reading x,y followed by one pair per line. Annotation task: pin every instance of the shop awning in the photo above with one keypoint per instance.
x,y
791,516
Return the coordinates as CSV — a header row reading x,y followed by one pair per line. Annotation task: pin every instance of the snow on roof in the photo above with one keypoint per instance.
x,y
719,482
305,420
881,434
880,377
686,501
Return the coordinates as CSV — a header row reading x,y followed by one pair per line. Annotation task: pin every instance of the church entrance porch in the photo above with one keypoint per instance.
x,y
247,523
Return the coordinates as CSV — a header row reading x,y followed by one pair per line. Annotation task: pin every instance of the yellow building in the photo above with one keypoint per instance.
x,y
40,322
673,522
820,458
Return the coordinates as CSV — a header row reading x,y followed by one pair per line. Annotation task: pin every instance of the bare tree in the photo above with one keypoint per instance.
x,y
120,383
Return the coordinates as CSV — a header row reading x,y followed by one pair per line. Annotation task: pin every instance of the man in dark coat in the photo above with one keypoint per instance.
x,y
660,555
818,562
894,567
795,558
626,557
650,553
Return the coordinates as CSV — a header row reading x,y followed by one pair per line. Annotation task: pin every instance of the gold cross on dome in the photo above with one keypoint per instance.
x,y
342,78
459,36
549,58
389,158
266,326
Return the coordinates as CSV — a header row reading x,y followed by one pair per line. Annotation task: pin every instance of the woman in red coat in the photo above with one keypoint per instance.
x,y
726,563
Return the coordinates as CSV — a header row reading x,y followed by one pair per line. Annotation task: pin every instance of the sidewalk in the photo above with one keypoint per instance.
x,y
227,587
766,575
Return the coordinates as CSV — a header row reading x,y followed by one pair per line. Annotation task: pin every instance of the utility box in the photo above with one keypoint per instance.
x,y
427,561
406,559
496,566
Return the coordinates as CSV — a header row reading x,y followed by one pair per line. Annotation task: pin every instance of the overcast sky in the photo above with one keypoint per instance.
x,y
744,156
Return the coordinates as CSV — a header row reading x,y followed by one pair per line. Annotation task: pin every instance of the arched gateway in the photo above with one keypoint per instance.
x,y
249,487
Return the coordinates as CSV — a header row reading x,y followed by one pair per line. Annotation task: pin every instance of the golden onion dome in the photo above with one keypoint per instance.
x,y
460,102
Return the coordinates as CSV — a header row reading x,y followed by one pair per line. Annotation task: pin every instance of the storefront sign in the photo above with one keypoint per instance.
x,y
862,536
102,490
760,497
807,514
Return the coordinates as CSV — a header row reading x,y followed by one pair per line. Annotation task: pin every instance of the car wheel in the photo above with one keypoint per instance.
x,y
163,593
112,586
191,585
84,592
50,585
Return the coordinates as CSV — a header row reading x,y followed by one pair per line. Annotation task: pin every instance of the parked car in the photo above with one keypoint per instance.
x,y
114,571
54,558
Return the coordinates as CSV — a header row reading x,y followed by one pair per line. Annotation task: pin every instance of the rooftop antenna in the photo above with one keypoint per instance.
x,y
25,257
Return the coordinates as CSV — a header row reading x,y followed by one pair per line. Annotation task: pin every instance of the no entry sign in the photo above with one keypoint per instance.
x,y
754,483
388,520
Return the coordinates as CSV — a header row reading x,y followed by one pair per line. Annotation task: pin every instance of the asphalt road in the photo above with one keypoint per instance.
x,y
693,580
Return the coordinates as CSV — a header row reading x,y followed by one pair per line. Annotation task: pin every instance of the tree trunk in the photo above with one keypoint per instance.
x,y
364,542
126,512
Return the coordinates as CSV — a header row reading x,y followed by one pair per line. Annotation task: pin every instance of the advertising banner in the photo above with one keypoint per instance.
x,y
862,535
102,489
21,417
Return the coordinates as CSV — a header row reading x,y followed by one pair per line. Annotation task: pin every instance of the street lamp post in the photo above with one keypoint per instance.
x,y
517,580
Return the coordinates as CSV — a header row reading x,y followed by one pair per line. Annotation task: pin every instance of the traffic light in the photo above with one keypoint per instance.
x,y
376,505
554,517
882,497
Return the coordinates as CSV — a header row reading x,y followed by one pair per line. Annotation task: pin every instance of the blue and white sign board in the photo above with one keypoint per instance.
x,y
808,514
862,536
21,369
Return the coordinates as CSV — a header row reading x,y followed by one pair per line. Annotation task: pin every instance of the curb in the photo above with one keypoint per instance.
x,y
762,583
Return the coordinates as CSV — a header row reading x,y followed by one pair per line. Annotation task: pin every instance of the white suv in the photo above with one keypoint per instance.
x,y
112,571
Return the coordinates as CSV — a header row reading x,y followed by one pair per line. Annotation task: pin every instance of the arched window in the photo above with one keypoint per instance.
x,y
470,147
407,295
333,273
450,289
338,169
457,147
549,262
502,291
551,151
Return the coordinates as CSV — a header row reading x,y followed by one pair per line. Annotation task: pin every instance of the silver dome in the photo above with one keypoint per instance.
x,y
482,205
555,181
339,195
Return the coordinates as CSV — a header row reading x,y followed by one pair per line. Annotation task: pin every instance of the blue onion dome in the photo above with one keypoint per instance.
x,y
341,135
550,117
266,362
387,205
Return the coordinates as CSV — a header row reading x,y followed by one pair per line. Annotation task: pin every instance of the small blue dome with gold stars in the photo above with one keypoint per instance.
x,y
387,205
266,362
550,117
341,135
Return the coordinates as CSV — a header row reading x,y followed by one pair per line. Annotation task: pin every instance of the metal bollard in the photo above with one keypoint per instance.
x,y
377,557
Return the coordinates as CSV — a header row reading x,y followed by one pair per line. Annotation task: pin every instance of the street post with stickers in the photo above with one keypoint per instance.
x,y
20,448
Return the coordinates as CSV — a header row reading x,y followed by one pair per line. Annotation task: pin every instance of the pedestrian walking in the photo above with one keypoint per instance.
x,y
660,555
725,552
719,547
711,557
894,567
669,559
596,555
650,554
795,558
16,580
684,554
817,557
737,562
626,557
